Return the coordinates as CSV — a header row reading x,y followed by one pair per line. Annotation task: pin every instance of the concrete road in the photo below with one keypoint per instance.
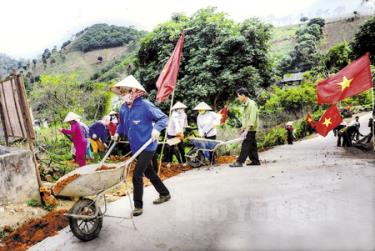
x,y
307,196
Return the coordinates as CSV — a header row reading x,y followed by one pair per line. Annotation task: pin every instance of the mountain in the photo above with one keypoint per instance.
x,y
7,64
89,53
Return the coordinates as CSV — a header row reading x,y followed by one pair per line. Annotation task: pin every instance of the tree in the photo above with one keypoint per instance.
x,y
356,14
99,36
337,57
65,44
54,50
219,56
54,95
304,19
318,20
364,40
305,55
46,54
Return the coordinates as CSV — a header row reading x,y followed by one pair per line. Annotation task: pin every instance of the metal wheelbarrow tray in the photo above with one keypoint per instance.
x,y
199,155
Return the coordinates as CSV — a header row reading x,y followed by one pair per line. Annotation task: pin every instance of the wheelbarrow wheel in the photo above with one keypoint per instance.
x,y
196,158
85,229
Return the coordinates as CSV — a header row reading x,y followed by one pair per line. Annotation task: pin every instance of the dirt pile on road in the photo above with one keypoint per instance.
x,y
175,169
35,231
225,159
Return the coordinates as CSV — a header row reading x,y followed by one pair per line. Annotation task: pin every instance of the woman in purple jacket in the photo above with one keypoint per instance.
x,y
141,120
78,138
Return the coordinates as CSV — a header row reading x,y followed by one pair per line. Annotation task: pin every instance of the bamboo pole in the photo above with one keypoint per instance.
x,y
165,135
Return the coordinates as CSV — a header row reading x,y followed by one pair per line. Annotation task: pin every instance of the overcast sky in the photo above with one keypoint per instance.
x,y
27,27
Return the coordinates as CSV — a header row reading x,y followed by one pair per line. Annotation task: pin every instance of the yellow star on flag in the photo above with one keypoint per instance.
x,y
309,120
345,83
327,122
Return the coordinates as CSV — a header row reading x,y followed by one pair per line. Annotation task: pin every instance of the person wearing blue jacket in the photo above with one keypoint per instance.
x,y
99,130
141,120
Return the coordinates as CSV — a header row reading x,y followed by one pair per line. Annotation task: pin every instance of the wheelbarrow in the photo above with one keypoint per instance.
x,y
203,150
86,216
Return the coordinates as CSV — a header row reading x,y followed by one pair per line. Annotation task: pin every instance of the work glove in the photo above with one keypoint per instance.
x,y
244,133
116,137
155,134
180,136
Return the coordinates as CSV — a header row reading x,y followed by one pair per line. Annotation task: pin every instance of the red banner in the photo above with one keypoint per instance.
x,y
168,77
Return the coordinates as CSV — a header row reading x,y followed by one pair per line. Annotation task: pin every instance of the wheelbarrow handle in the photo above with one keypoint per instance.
x,y
108,152
135,155
130,160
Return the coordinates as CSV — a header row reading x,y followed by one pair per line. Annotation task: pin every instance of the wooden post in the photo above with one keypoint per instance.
x,y
27,122
3,117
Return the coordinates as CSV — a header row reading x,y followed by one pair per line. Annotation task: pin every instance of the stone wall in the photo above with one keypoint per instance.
x,y
18,181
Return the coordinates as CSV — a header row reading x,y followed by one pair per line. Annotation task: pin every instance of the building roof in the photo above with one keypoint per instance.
x,y
291,77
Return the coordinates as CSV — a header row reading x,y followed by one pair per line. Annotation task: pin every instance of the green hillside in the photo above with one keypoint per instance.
x,y
7,64
84,64
283,38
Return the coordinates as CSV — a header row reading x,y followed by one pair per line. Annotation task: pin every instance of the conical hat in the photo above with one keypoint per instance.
x,y
202,106
179,105
113,113
289,123
128,83
72,116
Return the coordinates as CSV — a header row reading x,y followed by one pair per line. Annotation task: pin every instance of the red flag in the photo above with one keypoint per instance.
x,y
224,114
310,120
168,77
352,80
329,120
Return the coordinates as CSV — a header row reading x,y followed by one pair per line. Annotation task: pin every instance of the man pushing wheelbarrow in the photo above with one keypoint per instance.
x,y
140,120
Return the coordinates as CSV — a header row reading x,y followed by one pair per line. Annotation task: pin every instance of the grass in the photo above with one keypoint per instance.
x,y
282,41
84,64
33,203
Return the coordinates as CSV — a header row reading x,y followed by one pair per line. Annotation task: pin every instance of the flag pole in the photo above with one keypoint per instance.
x,y
372,116
165,135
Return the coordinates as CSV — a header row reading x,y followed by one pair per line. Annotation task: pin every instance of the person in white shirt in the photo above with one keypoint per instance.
x,y
176,126
357,125
207,121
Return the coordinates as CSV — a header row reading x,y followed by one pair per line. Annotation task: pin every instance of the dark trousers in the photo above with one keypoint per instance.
x,y
290,137
145,167
180,155
347,139
212,157
249,148
339,136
